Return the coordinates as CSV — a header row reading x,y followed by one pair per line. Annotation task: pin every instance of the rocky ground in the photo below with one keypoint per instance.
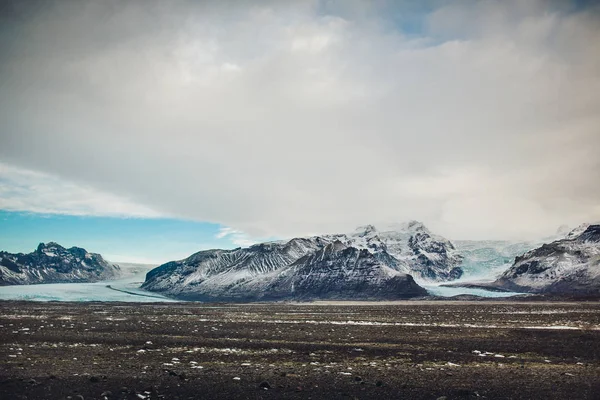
x,y
410,350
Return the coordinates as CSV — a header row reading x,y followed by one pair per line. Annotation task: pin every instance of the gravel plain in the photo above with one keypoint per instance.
x,y
336,350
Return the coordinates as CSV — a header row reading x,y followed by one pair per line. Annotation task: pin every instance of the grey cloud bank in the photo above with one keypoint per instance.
x,y
291,118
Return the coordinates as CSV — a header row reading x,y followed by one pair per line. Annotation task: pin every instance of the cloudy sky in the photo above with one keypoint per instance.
x,y
271,119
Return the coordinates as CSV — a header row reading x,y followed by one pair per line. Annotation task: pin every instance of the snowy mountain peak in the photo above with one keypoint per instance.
x,y
416,226
577,231
405,227
364,230
428,257
590,235
49,246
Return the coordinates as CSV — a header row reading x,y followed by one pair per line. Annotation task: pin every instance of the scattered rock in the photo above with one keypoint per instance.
x,y
107,393
33,382
379,383
357,379
264,385
94,379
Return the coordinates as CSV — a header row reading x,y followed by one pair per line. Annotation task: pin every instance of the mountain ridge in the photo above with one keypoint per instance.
x,y
569,266
377,264
53,263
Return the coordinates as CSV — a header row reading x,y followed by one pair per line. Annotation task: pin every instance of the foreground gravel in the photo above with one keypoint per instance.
x,y
403,350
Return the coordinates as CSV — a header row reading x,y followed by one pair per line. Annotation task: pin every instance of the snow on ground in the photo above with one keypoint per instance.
x,y
97,291
442,291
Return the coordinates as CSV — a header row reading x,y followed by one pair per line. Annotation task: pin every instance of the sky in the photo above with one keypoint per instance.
x,y
196,124
130,240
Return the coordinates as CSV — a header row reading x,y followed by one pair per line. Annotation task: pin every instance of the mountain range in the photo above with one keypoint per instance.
x,y
52,263
367,263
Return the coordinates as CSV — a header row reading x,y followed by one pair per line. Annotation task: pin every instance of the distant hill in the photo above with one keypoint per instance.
x,y
52,263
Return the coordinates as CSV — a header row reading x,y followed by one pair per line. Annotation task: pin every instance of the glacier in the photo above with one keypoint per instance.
x,y
125,289
482,260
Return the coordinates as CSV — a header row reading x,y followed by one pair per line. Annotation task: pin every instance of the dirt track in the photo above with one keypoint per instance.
x,y
406,350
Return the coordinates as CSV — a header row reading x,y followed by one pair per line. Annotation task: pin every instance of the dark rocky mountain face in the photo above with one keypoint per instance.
x,y
52,263
567,266
364,264
342,272
435,260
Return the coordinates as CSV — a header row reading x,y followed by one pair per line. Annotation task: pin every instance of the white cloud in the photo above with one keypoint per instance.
x,y
279,119
226,231
236,237
24,190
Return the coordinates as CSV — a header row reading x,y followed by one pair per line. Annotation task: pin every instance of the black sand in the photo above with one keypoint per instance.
x,y
404,350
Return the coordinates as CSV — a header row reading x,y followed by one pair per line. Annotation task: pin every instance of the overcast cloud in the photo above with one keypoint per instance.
x,y
479,118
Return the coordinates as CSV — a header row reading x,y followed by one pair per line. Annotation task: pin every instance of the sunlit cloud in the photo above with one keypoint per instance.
x,y
24,190
235,236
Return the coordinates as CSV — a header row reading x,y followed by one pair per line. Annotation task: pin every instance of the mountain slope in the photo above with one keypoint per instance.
x,y
416,250
566,266
339,271
363,264
52,263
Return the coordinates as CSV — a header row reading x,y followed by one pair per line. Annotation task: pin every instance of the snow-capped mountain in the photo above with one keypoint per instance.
x,y
566,266
52,263
489,259
577,231
366,263
419,252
